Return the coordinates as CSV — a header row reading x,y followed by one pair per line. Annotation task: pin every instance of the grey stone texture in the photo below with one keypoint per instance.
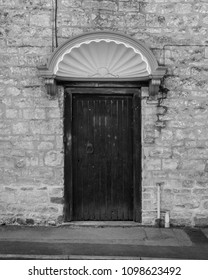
x,y
174,130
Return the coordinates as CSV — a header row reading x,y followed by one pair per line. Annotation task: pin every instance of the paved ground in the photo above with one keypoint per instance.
x,y
88,241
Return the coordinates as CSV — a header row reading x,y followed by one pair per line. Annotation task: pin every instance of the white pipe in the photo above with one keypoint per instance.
x,y
158,201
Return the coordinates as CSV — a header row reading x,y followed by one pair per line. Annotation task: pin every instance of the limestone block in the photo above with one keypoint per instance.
x,y
161,152
38,174
198,165
191,20
148,139
169,164
11,3
149,7
181,134
56,191
48,138
77,17
159,176
183,123
44,146
52,126
129,6
7,162
32,161
153,164
187,201
199,71
153,20
166,134
73,3
174,20
53,158
40,19
46,103
46,209
12,113
146,195
20,128
132,20
200,192
183,8
59,142
53,113
57,200
197,153
71,31
166,8
29,198
59,175
33,59
22,102
5,128
34,114
5,100
201,8
13,91
21,71
147,205
188,184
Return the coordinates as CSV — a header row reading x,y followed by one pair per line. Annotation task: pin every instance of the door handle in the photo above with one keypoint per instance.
x,y
89,148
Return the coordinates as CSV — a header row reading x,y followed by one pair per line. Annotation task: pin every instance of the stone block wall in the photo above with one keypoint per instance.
x,y
175,129
31,129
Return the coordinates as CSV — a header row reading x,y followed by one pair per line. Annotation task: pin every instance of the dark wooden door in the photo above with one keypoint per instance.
x,y
103,164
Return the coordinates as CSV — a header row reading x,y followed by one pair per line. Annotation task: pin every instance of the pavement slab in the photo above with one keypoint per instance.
x,y
77,242
182,237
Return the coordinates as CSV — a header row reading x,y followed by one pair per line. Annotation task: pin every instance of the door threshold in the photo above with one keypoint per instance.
x,y
101,224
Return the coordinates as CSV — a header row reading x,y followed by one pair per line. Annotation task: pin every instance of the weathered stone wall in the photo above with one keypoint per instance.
x,y
175,130
31,149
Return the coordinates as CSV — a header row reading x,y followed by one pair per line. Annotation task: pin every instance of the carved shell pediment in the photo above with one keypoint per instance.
x,y
102,58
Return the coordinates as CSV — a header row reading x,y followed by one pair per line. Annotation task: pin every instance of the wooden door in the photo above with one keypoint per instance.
x,y
102,156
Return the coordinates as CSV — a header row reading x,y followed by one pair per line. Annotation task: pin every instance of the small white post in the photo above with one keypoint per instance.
x,y
158,201
167,219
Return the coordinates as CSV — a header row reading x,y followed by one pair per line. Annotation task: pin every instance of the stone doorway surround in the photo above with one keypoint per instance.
x,y
103,57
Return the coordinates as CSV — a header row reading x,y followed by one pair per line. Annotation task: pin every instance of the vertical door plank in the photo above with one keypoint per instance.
x,y
90,150
103,156
108,158
119,163
96,157
114,148
137,156
68,179
78,158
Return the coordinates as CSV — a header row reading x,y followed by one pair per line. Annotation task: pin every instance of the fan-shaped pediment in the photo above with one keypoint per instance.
x,y
102,58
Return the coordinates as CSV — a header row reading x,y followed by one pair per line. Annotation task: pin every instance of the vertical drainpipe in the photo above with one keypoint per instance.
x,y
158,220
